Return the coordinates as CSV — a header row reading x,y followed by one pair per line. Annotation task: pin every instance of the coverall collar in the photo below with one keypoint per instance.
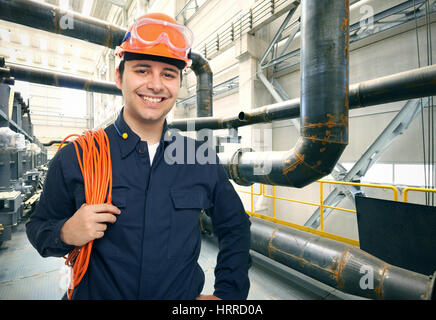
x,y
128,144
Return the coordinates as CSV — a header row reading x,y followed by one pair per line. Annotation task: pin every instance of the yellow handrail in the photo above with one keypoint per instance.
x,y
381,186
321,205
406,190
306,229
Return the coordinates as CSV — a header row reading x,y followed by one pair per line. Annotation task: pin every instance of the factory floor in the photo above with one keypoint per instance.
x,y
25,275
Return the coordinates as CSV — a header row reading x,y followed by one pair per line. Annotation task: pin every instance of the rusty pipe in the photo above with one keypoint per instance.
x,y
51,78
204,88
44,16
324,104
411,84
341,266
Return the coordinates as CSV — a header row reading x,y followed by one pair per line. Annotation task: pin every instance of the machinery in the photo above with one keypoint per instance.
x,y
22,160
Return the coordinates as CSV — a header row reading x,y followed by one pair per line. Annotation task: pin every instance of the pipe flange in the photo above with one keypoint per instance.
x,y
233,167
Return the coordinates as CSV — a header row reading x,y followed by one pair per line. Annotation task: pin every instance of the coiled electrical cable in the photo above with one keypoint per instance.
x,y
96,167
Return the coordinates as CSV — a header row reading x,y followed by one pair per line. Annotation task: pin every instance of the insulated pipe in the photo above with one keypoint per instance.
x,y
411,84
204,74
341,266
324,105
49,18
51,78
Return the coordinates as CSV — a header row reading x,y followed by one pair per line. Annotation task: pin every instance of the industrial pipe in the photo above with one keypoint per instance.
x,y
49,18
411,84
204,88
51,78
341,266
324,105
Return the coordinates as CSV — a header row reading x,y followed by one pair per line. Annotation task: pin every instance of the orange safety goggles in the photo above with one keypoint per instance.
x,y
148,32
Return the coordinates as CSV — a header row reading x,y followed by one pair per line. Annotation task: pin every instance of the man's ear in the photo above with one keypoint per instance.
x,y
118,79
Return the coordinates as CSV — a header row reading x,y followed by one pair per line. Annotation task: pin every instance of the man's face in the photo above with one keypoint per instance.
x,y
150,89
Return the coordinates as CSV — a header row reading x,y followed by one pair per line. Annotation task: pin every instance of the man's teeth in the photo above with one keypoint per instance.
x,y
153,100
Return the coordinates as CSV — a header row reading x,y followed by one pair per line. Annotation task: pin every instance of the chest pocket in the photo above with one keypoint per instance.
x,y
185,220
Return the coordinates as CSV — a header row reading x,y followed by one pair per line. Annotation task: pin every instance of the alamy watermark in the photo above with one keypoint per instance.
x,y
184,151
367,280
66,21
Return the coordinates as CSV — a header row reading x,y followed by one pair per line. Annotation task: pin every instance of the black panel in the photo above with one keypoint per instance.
x,y
401,234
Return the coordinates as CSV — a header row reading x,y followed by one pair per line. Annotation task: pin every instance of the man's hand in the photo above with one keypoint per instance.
x,y
88,223
207,297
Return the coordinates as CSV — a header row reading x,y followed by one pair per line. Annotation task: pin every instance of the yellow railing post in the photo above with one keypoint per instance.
x,y
406,190
274,200
252,196
321,206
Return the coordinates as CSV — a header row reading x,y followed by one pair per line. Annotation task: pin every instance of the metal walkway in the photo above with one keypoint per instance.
x,y
25,275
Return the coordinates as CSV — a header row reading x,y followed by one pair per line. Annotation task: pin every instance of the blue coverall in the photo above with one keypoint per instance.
x,y
151,251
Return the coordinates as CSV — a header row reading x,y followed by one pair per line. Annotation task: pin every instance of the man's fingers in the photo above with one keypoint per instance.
x,y
104,208
101,227
105,217
99,234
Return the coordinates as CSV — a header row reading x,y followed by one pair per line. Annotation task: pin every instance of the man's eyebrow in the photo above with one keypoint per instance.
x,y
171,69
144,65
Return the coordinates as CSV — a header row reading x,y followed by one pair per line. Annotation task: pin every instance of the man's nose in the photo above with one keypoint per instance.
x,y
155,83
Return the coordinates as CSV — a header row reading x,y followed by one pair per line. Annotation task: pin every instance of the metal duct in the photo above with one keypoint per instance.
x,y
51,78
49,18
204,89
336,264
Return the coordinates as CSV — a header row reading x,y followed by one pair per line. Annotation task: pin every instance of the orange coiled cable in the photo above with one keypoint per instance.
x,y
96,167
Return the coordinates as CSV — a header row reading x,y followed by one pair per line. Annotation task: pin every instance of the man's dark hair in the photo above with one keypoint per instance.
x,y
179,64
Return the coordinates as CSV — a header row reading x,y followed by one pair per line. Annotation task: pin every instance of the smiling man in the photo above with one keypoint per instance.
x,y
147,242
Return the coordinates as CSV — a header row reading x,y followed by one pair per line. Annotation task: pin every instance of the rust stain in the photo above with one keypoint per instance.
x,y
324,141
338,266
331,123
270,246
295,164
379,288
322,150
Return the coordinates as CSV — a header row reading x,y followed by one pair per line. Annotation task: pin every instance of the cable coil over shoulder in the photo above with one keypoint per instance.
x,y
96,167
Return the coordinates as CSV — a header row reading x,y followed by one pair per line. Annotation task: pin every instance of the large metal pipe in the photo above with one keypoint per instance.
x,y
324,105
204,89
52,78
49,18
401,86
341,266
